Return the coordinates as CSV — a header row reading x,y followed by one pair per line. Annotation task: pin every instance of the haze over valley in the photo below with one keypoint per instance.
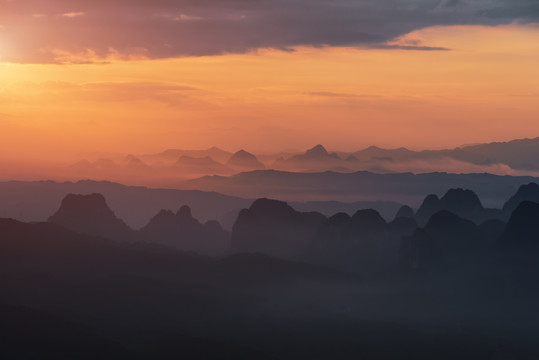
x,y
269,180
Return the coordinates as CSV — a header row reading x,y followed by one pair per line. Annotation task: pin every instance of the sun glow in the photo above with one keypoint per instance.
x,y
271,98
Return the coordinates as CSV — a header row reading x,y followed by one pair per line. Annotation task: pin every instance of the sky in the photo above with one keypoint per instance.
x,y
134,76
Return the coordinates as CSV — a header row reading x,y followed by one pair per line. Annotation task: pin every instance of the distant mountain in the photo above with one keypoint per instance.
x,y
374,152
315,159
273,227
36,201
317,153
518,154
133,161
405,188
90,214
205,161
202,165
461,202
244,160
184,232
172,155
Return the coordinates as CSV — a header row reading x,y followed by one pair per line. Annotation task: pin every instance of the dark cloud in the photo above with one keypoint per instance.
x,y
56,30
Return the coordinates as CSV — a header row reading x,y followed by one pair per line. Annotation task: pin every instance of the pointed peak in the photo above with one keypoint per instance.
x,y
318,150
242,153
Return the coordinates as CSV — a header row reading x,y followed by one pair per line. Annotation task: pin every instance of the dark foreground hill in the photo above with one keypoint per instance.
x,y
72,295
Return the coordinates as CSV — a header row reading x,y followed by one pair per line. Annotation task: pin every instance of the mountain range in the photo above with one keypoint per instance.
x,y
405,188
36,201
164,169
364,243
351,286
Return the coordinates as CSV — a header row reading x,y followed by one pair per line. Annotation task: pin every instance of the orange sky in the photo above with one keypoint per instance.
x,y
485,88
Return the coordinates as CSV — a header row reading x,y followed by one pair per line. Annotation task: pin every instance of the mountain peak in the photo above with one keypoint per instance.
x,y
90,214
318,150
406,212
522,226
271,207
243,153
184,212
91,203
528,192
245,160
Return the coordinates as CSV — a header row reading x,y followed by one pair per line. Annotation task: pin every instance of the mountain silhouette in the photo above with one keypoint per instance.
x,y
406,188
363,243
351,158
184,232
406,212
520,250
118,288
453,234
518,154
464,203
522,228
446,242
160,303
202,165
317,153
172,155
202,161
273,227
90,214
244,160
527,192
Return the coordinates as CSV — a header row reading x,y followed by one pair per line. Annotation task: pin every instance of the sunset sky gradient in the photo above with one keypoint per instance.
x,y
142,76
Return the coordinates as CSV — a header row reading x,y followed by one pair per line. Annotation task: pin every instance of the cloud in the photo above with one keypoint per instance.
x,y
73,14
174,28
171,94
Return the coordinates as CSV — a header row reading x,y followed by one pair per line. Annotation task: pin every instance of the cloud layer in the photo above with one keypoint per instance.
x,y
52,31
